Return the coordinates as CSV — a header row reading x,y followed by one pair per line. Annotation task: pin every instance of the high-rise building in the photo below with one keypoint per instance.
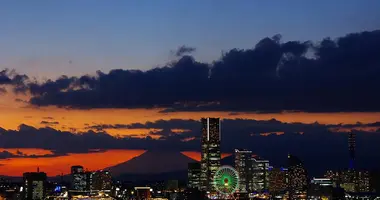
x,y
278,180
78,178
34,185
363,181
260,175
89,176
102,180
210,158
243,165
351,149
194,175
298,180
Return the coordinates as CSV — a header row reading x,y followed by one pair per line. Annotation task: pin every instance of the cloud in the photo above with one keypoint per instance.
x,y
4,77
332,75
49,123
183,50
18,81
7,154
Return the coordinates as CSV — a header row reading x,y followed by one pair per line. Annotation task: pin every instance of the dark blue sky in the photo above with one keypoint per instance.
x,y
40,38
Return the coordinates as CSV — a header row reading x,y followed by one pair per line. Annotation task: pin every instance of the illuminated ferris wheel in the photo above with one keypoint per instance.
x,y
226,180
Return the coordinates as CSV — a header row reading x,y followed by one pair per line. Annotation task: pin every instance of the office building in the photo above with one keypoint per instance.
x,y
102,181
89,177
351,149
34,185
278,180
78,178
243,165
194,175
298,179
320,188
260,175
363,181
210,156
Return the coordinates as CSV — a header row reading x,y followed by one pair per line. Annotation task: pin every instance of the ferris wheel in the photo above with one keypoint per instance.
x,y
226,180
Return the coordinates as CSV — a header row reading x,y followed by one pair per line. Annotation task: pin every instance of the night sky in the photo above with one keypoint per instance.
x,y
97,81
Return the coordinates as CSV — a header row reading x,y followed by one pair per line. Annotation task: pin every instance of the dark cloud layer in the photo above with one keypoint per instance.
x,y
51,123
10,77
182,50
314,143
331,75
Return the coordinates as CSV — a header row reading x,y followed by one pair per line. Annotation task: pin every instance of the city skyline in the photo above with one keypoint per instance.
x,y
208,178
103,84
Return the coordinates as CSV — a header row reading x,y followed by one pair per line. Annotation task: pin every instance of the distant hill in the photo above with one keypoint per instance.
x,y
151,163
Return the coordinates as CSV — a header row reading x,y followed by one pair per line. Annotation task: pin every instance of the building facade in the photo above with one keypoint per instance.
x,y
194,175
278,180
78,178
210,156
260,175
34,185
243,165
298,180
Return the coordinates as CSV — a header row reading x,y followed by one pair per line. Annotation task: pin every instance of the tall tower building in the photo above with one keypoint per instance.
x,y
351,149
78,178
210,158
35,185
243,165
298,180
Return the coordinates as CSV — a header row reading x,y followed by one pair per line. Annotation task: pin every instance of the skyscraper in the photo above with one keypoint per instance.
x,y
78,178
351,149
260,174
298,180
194,175
34,185
243,165
210,158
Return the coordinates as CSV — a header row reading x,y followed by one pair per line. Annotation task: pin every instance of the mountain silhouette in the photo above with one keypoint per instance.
x,y
152,163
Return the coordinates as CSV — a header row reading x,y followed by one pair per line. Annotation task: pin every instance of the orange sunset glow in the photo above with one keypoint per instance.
x,y
197,155
54,166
